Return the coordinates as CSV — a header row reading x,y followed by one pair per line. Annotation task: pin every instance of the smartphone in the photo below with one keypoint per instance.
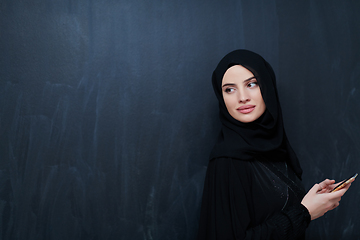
x,y
343,183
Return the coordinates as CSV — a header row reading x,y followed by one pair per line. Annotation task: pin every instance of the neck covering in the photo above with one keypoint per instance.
x,y
264,138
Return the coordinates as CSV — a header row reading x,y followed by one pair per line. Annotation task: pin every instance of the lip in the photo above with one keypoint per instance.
x,y
246,109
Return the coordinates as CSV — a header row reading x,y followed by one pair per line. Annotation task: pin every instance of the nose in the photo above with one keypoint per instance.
x,y
243,97
244,100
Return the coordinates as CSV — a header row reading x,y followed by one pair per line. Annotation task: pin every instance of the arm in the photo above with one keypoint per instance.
x,y
292,222
228,210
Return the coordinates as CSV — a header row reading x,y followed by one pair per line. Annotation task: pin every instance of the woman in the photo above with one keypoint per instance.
x,y
253,184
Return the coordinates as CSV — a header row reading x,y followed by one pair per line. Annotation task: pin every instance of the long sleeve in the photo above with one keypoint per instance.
x,y
242,200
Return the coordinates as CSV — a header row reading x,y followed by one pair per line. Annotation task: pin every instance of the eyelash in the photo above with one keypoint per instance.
x,y
255,82
228,90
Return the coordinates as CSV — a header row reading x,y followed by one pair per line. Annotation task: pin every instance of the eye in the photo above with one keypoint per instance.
x,y
252,84
229,90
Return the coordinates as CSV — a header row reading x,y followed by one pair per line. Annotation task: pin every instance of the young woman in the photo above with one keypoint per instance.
x,y
253,186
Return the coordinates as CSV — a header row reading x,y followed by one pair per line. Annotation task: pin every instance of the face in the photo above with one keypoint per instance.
x,y
242,95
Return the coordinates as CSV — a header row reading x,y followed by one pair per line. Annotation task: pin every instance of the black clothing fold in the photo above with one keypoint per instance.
x,y
245,200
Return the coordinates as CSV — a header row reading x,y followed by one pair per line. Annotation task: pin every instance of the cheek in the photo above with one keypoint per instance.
x,y
259,99
263,107
229,102
262,103
257,96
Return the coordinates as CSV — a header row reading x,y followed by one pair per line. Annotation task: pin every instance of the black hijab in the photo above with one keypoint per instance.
x,y
263,139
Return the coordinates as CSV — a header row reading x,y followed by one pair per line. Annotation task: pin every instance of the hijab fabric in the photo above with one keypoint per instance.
x,y
263,139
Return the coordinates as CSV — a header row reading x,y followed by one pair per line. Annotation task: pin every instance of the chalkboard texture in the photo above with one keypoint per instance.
x,y
107,115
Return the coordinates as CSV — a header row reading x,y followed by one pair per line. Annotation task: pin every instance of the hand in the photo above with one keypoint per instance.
x,y
319,200
327,185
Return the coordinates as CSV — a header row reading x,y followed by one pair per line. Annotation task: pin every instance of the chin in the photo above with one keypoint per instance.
x,y
247,118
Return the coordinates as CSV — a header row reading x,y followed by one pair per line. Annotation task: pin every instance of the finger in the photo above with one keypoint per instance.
x,y
316,188
350,180
346,187
341,191
336,184
326,183
324,190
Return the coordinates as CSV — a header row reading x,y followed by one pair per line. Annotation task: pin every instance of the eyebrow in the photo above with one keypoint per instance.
x,y
233,84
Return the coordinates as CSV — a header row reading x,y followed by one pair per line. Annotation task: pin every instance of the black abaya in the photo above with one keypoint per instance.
x,y
252,187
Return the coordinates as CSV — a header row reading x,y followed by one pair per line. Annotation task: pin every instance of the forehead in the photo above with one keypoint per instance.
x,y
236,73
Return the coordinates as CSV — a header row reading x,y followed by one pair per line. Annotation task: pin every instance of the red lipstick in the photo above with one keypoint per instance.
x,y
246,109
